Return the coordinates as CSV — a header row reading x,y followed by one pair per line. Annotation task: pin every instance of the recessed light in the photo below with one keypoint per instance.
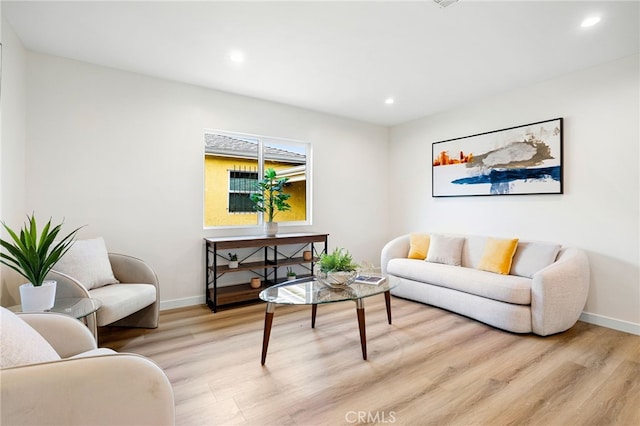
x,y
388,101
236,56
590,21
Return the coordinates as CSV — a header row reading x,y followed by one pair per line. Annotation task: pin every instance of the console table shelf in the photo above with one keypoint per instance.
x,y
266,269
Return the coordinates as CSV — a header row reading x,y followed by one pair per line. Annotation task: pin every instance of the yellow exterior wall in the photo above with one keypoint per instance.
x,y
216,187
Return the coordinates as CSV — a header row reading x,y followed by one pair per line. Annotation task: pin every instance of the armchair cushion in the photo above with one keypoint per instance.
x,y
88,262
122,300
20,343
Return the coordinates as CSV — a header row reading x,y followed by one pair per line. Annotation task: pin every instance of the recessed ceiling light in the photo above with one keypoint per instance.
x,y
236,56
388,101
590,21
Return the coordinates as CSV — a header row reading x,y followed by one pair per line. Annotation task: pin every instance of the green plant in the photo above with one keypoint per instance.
x,y
290,272
32,256
339,260
233,256
271,197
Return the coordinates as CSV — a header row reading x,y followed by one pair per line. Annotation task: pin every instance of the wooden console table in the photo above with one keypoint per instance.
x,y
266,269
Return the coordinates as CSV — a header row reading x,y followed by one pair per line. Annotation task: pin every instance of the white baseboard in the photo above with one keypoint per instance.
x,y
181,303
616,324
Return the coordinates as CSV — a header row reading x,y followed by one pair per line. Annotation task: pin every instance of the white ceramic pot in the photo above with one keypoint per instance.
x,y
271,229
291,277
38,299
233,264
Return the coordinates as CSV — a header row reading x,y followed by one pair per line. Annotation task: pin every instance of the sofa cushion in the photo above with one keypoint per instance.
x,y
88,262
121,300
472,250
531,257
418,246
445,249
498,255
505,288
20,343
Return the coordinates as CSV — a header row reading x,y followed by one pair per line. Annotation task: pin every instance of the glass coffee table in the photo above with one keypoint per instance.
x,y
309,291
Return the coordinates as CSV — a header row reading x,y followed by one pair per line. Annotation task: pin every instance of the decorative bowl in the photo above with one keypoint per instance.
x,y
337,279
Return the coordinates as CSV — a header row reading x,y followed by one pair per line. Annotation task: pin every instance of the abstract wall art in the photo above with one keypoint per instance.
x,y
515,161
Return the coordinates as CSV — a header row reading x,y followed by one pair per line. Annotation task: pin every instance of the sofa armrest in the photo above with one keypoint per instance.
x,y
559,292
129,269
65,334
119,389
398,247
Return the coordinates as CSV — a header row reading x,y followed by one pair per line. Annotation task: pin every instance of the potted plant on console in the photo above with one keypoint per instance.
x,y
290,274
271,199
337,269
233,260
33,256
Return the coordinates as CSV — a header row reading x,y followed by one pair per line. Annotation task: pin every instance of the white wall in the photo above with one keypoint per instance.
x,y
12,142
599,209
123,153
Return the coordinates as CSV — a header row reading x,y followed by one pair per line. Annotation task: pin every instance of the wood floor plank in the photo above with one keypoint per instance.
x,y
430,367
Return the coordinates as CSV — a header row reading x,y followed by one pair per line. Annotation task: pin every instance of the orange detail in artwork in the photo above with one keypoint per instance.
x,y
443,159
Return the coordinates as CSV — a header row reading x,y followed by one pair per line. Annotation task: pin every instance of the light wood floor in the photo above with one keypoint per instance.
x,y
430,367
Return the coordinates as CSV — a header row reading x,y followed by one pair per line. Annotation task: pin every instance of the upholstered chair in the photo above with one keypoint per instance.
x,y
126,286
52,373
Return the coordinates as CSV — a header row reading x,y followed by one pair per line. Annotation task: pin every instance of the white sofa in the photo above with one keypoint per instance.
x,y
52,373
544,292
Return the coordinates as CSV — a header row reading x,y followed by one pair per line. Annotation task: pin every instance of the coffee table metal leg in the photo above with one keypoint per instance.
x,y
387,301
361,325
268,320
314,310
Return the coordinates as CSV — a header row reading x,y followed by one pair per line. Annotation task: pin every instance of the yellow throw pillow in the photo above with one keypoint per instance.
x,y
419,246
497,255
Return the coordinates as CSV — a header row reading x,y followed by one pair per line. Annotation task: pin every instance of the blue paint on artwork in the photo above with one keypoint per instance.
x,y
500,179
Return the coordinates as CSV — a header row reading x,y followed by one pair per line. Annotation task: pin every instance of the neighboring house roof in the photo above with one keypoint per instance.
x,y
227,146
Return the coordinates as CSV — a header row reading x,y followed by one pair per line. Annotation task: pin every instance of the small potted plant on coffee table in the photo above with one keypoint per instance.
x,y
337,269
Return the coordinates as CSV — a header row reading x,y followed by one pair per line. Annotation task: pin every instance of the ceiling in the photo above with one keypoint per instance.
x,y
337,57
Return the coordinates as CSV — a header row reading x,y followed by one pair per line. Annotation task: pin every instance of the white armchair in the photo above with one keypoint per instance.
x,y
53,373
130,299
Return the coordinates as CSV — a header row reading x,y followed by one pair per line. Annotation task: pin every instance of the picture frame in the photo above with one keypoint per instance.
x,y
518,160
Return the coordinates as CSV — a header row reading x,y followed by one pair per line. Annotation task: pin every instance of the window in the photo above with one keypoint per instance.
x,y
241,185
233,164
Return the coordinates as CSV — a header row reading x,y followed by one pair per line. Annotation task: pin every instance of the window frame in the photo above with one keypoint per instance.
x,y
262,142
